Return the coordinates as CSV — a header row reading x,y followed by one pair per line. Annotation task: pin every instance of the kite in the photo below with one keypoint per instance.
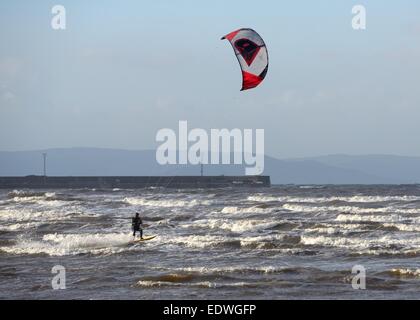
x,y
251,52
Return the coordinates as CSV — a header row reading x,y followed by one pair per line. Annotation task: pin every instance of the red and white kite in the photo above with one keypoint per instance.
x,y
252,55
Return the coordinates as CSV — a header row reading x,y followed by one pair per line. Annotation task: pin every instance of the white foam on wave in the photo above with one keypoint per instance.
x,y
166,203
407,272
19,226
208,241
239,210
97,240
196,241
238,226
311,187
374,218
231,269
359,244
28,194
265,198
353,199
367,218
200,284
19,215
69,244
41,198
337,229
347,209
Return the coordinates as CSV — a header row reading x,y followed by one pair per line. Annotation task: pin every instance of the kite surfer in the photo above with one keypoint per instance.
x,y
136,223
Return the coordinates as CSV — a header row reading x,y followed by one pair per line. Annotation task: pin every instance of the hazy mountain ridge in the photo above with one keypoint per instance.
x,y
330,169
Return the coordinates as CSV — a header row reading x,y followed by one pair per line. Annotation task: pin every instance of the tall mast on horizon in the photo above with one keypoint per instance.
x,y
45,163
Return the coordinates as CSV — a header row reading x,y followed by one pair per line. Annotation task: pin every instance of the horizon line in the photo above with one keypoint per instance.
x,y
266,155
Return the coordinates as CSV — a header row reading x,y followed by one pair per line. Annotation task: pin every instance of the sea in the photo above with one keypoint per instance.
x,y
280,242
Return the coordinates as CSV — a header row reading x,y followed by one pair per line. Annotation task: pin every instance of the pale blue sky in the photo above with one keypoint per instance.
x,y
124,69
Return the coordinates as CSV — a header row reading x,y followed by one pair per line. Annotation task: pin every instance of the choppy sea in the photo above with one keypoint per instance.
x,y
283,242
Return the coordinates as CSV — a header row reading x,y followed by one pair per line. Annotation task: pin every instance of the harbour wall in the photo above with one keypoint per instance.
x,y
134,182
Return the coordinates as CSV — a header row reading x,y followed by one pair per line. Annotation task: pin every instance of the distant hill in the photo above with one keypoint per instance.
x,y
332,169
393,169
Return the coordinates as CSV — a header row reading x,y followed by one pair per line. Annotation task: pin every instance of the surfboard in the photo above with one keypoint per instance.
x,y
137,240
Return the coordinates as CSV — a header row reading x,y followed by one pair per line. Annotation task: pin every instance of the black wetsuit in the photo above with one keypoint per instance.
x,y
136,224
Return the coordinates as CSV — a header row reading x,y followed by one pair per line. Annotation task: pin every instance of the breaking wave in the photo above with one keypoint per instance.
x,y
351,199
70,244
238,226
165,203
415,273
254,209
348,209
384,244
